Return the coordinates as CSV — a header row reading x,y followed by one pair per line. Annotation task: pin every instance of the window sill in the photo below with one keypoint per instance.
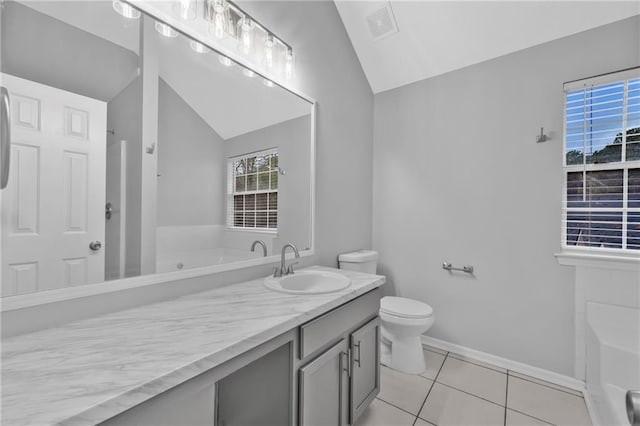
x,y
626,262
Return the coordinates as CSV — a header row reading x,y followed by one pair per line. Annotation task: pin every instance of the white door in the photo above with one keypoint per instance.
x,y
53,206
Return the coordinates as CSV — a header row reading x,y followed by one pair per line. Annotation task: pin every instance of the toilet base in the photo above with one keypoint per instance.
x,y
403,354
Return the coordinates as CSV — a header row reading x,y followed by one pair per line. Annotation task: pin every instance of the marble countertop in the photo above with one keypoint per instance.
x,y
88,371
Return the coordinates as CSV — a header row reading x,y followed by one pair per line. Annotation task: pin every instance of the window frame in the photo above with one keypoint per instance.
x,y
231,193
623,164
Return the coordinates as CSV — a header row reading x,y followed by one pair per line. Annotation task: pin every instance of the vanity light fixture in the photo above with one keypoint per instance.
x,y
218,15
289,64
245,34
186,9
248,73
257,44
225,61
126,10
198,47
268,82
165,30
268,50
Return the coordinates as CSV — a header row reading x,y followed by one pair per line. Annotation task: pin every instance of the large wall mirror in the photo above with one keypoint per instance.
x,y
136,150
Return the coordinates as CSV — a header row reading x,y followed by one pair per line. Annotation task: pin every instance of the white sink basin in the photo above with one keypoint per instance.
x,y
308,282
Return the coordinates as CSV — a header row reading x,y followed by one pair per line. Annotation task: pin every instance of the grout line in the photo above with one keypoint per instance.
x,y
469,393
506,398
519,376
395,406
533,417
431,388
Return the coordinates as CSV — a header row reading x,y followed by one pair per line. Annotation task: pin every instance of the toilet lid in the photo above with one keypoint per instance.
x,y
405,308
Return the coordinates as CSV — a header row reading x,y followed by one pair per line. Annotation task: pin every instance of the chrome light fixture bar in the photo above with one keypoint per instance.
x,y
227,19
132,11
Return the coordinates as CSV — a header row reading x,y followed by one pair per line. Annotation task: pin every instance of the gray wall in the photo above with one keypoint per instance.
x,y
328,70
459,177
42,49
191,164
292,140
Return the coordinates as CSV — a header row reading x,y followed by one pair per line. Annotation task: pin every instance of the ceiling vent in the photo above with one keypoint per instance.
x,y
382,23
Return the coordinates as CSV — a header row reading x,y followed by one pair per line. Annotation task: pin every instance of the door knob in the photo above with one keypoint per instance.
x,y
95,245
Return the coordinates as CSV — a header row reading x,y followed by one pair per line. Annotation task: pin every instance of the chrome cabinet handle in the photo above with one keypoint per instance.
x,y
5,139
95,245
633,407
357,345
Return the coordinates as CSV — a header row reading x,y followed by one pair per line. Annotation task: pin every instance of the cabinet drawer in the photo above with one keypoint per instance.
x,y
330,326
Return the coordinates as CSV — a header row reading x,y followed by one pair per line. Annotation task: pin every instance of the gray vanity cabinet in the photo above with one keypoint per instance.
x,y
338,381
365,370
324,388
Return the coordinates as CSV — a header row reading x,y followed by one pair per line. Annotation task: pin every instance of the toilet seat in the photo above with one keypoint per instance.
x,y
402,307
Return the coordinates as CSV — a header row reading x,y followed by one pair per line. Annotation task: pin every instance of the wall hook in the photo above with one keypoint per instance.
x,y
541,137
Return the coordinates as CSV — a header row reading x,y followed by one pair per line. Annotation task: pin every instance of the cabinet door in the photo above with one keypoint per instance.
x,y
323,385
365,373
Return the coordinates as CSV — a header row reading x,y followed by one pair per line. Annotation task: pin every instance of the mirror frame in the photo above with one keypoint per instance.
x,y
11,303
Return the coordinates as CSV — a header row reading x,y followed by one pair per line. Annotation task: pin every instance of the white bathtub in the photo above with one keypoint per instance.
x,y
175,261
613,360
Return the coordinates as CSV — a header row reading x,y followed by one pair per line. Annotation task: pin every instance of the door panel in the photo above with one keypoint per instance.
x,y
365,373
53,206
323,388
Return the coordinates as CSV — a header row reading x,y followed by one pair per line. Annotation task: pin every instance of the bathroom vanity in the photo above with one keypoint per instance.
x,y
235,355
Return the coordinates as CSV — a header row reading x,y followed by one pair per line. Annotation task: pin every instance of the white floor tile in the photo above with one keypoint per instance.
x,y
434,361
479,381
406,391
517,419
477,362
542,402
380,413
446,406
543,382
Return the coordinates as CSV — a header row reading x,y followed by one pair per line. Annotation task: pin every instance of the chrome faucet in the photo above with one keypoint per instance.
x,y
264,247
283,269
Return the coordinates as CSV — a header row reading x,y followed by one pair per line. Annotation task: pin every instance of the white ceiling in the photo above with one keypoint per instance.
x,y
436,37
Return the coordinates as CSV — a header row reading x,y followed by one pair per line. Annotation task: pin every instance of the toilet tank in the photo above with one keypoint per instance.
x,y
361,261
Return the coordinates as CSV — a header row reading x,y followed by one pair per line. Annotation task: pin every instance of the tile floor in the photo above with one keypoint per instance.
x,y
456,390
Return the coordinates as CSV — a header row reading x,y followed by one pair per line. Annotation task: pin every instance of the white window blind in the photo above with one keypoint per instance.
x,y
601,207
252,202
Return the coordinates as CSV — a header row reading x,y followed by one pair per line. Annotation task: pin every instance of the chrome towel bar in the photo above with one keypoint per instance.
x,y
449,267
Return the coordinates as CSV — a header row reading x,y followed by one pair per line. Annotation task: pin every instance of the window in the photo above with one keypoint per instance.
x,y
253,191
601,208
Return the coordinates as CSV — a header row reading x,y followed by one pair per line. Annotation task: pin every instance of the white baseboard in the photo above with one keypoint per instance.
x,y
529,370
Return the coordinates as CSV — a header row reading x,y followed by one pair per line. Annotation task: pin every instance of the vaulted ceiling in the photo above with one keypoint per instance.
x,y
435,37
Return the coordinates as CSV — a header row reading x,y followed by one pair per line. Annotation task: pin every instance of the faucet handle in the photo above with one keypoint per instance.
x,y
277,272
290,268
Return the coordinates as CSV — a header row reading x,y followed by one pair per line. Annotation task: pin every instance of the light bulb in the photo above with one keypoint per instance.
x,y
245,30
249,73
219,17
268,51
289,64
225,61
198,47
125,10
267,83
165,30
186,9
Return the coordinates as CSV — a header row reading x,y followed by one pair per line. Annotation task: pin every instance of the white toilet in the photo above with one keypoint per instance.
x,y
403,320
